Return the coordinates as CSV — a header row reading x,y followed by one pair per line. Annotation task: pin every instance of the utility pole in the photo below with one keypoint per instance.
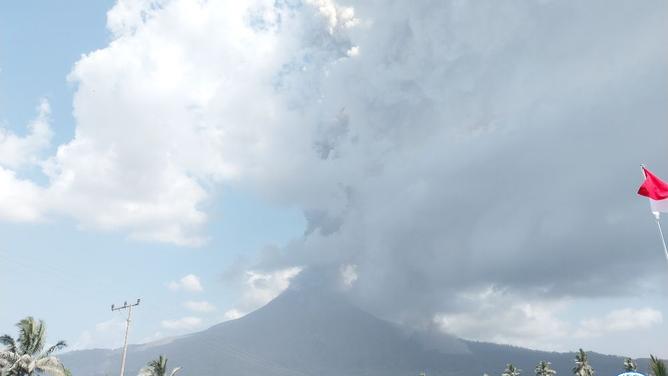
x,y
127,328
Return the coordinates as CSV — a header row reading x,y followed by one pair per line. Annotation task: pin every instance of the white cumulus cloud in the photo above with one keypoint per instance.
x,y
187,95
21,200
257,289
232,314
17,151
107,334
190,283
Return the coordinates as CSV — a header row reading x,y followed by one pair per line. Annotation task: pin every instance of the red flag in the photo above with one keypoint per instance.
x,y
653,187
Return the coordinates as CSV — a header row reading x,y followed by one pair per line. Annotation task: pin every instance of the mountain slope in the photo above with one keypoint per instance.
x,y
316,332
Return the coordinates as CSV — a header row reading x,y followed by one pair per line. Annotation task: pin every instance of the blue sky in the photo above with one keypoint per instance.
x,y
238,143
39,49
86,271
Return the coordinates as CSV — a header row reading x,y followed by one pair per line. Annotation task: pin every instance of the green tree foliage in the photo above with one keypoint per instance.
x,y
543,369
582,367
657,367
630,365
26,355
157,368
512,371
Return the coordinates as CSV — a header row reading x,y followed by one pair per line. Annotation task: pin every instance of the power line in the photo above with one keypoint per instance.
x,y
81,282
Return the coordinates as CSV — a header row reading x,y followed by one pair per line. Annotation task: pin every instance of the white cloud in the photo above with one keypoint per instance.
x,y
84,341
190,283
21,200
333,15
186,96
188,322
353,51
202,306
502,317
257,289
348,275
232,314
16,151
620,320
113,325
107,334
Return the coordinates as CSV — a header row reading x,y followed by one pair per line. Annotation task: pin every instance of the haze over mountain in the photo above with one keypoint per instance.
x,y
318,331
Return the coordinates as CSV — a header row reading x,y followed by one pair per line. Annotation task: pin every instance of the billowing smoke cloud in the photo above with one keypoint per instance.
x,y
440,147
476,145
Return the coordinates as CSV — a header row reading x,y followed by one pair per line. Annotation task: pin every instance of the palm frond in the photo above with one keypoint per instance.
x,y
9,355
31,335
58,346
9,342
40,337
630,365
157,367
175,370
50,365
24,355
657,366
511,371
543,369
582,367
146,371
25,364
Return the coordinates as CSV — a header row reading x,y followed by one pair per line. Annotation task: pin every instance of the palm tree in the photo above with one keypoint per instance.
x,y
26,355
630,365
582,367
157,368
511,371
657,367
543,369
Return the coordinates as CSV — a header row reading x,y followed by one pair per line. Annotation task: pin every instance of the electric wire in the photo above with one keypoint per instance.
x,y
64,276
217,344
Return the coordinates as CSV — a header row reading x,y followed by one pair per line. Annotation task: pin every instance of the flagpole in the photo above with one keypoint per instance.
x,y
657,217
663,240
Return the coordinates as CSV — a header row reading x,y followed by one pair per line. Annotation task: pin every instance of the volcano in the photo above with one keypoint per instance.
x,y
320,333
